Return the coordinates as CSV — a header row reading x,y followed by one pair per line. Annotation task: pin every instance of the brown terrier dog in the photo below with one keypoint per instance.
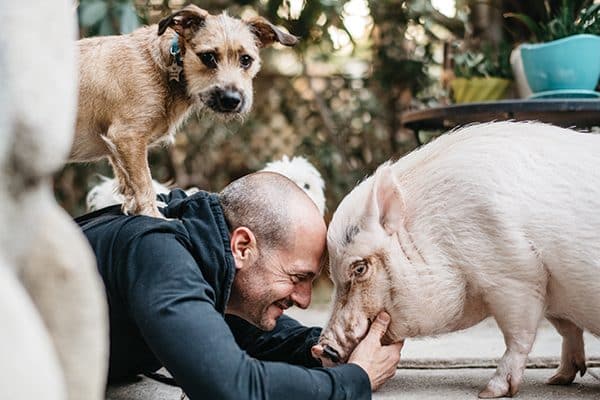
x,y
136,89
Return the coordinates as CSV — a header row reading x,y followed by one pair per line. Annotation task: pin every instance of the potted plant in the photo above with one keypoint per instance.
x,y
481,75
564,58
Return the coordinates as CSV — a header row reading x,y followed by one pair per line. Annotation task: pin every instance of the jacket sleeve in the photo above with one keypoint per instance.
x,y
289,342
173,308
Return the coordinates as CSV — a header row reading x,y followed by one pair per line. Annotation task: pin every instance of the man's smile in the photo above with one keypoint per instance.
x,y
284,304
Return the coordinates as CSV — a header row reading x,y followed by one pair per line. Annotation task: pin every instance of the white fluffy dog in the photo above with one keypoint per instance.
x,y
304,174
298,169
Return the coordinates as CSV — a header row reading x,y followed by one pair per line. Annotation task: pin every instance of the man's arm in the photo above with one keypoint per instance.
x,y
289,342
174,310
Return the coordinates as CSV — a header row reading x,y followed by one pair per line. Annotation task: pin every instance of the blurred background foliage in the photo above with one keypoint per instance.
x,y
336,98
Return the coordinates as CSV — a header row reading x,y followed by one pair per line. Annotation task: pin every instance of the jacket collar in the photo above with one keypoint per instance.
x,y
202,216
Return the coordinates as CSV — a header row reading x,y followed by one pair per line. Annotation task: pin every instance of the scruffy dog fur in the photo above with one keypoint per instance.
x,y
134,92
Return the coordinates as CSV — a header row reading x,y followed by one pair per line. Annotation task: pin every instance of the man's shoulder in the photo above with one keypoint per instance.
x,y
112,228
151,251
151,232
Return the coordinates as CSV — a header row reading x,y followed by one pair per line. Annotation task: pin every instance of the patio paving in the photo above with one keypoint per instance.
x,y
452,366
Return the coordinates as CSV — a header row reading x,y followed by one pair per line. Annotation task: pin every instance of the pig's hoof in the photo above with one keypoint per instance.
x,y
566,375
492,394
496,389
561,379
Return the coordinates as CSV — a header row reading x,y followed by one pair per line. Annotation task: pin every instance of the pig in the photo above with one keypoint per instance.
x,y
499,219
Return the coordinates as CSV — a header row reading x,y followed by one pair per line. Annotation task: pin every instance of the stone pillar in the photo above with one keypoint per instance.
x,y
54,335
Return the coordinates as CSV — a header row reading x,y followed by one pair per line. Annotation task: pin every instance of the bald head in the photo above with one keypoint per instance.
x,y
272,206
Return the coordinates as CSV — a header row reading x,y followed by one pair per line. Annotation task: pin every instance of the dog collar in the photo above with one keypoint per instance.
x,y
175,69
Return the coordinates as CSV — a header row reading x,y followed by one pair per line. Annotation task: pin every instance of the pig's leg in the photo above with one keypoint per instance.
x,y
572,358
518,314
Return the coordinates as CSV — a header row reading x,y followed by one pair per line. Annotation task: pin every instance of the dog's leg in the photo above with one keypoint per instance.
x,y
129,158
123,186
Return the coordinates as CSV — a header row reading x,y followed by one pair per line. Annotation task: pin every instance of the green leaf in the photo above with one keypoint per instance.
x,y
129,19
90,13
590,18
525,19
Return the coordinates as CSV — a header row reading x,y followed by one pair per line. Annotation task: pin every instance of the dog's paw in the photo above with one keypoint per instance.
x,y
149,211
153,212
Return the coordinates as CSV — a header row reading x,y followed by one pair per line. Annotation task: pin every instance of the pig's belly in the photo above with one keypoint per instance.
x,y
573,293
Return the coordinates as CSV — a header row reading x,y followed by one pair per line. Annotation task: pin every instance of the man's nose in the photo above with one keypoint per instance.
x,y
301,294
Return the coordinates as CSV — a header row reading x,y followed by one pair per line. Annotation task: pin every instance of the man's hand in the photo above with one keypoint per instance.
x,y
378,361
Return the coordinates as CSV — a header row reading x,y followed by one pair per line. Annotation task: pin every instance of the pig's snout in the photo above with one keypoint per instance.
x,y
333,350
339,339
331,353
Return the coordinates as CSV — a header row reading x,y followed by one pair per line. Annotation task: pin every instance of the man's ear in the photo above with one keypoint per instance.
x,y
243,246
266,33
185,22
386,203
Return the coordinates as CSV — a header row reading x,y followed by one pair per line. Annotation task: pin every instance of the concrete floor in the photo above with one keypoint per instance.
x,y
453,366
409,384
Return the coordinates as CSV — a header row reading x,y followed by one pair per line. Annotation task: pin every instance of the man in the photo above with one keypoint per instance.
x,y
203,294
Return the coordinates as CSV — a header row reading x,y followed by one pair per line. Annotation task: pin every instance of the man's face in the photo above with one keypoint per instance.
x,y
271,278
276,281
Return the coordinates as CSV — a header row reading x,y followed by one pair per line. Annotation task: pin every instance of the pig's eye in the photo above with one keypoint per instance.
x,y
359,268
299,278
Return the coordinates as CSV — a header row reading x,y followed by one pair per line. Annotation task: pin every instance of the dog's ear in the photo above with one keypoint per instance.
x,y
267,33
185,22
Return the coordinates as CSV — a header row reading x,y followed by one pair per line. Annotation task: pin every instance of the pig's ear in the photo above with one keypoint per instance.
x,y
388,200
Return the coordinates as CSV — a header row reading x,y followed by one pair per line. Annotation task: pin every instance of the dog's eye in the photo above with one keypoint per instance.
x,y
306,186
246,61
208,58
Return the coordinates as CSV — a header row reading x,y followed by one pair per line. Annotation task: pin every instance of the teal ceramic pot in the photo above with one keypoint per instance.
x,y
564,64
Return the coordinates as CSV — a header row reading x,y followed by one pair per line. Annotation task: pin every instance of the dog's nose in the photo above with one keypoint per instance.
x,y
229,100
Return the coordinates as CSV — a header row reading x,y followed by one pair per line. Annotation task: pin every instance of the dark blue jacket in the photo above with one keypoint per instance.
x,y
168,282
